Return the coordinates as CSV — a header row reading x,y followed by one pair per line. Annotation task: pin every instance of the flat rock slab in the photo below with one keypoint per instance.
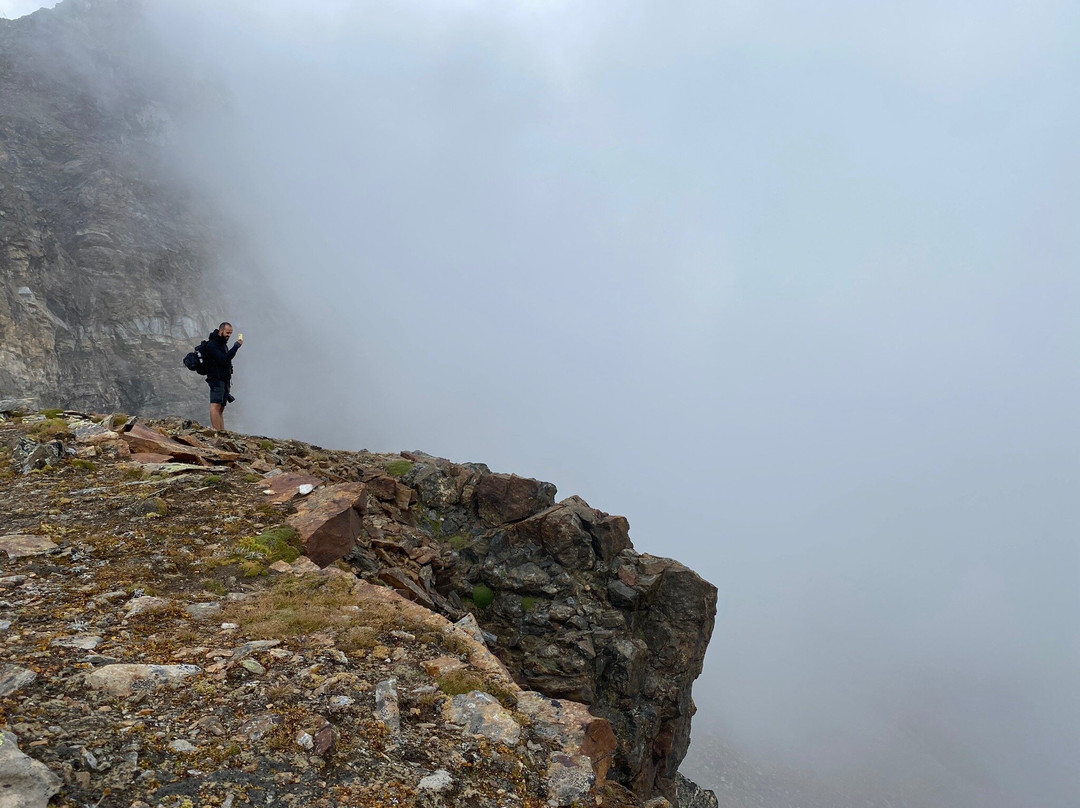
x,y
13,678
144,440
283,487
24,782
18,545
124,679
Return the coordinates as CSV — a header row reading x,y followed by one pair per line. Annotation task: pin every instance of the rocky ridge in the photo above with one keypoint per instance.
x,y
464,640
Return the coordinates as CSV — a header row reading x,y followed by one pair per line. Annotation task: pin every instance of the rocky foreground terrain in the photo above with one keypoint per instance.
x,y
191,619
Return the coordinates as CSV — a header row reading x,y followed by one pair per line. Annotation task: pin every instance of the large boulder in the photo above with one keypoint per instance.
x,y
329,521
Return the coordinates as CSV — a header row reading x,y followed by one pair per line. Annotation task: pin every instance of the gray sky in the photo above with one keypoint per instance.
x,y
793,286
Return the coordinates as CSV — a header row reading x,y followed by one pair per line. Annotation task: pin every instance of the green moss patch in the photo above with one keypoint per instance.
x,y
399,468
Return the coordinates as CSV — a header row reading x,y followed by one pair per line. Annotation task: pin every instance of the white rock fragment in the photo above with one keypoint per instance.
x,y
340,702
147,604
387,712
305,489
26,783
183,747
84,642
305,740
438,781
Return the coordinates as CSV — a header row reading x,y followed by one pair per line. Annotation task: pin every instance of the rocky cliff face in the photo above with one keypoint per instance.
x,y
103,280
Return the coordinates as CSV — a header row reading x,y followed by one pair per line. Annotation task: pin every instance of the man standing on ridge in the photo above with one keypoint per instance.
x,y
218,357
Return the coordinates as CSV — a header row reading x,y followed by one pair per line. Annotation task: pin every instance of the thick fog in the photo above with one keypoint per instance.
x,y
793,286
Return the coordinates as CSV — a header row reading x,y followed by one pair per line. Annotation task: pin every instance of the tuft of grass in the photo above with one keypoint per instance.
x,y
217,587
358,638
482,596
83,465
459,542
52,413
399,468
133,473
281,543
528,603
266,445
50,429
292,606
457,682
214,479
252,478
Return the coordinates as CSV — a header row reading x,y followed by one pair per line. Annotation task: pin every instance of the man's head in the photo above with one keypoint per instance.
x,y
225,330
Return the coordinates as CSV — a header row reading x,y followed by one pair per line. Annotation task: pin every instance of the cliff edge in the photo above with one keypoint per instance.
x,y
196,619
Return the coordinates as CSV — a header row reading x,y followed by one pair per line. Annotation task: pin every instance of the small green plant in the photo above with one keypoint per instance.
x,y
133,473
82,465
528,603
482,596
454,683
399,468
252,478
214,479
266,445
56,413
217,587
251,568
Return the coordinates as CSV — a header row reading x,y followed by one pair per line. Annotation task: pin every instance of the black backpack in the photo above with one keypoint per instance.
x,y
195,360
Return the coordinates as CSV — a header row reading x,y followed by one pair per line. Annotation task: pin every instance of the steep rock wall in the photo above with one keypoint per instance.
x,y
103,282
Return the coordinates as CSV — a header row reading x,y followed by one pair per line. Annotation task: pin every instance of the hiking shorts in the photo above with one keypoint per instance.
x,y
219,392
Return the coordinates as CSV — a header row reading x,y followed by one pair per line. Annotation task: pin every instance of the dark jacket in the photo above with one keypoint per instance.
x,y
218,357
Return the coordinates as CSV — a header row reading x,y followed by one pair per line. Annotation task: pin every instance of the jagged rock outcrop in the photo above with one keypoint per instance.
x,y
103,262
578,612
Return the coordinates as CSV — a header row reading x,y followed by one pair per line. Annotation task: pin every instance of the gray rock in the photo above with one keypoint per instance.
x,y
387,712
438,781
689,794
257,727
124,679
19,545
24,782
479,713
469,625
29,455
203,611
183,747
14,678
569,779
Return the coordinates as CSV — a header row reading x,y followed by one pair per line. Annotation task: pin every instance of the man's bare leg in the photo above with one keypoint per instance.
x,y
217,417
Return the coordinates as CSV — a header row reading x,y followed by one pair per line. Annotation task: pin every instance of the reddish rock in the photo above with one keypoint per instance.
x,y
284,487
329,521
399,579
502,498
144,440
150,457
